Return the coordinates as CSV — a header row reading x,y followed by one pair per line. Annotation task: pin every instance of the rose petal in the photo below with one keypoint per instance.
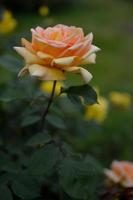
x,y
23,71
84,49
54,51
66,61
112,176
89,37
127,183
93,49
78,49
53,43
87,76
71,50
44,56
89,59
46,73
29,57
27,45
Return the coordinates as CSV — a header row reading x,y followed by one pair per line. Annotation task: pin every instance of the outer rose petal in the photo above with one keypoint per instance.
x,y
65,61
89,59
44,55
45,73
86,46
29,57
23,71
87,76
89,36
112,176
127,183
93,49
27,45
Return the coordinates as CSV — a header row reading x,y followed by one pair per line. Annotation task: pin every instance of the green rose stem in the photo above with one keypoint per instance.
x,y
46,111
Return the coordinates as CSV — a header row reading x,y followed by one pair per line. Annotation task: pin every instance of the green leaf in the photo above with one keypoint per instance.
x,y
75,93
44,160
25,186
56,121
77,176
4,158
10,96
4,161
4,179
29,120
5,193
14,92
75,99
39,139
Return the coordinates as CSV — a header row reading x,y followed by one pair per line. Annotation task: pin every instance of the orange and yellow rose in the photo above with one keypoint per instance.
x,y
121,173
56,50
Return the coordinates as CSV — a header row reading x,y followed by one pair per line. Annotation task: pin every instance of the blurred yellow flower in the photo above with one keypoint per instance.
x,y
97,112
122,100
43,11
7,23
47,86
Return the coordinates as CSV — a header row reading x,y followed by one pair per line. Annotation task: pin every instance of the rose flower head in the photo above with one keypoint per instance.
x,y
56,50
121,173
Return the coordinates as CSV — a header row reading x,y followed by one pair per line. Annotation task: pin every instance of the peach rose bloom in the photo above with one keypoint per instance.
x,y
56,50
121,173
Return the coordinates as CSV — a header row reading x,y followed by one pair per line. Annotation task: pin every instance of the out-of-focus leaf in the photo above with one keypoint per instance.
x,y
75,99
29,120
4,160
39,139
6,164
25,186
85,92
5,193
56,121
4,179
77,174
44,160
23,89
11,95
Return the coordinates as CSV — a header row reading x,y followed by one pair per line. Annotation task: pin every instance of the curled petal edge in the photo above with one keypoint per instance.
x,y
87,76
